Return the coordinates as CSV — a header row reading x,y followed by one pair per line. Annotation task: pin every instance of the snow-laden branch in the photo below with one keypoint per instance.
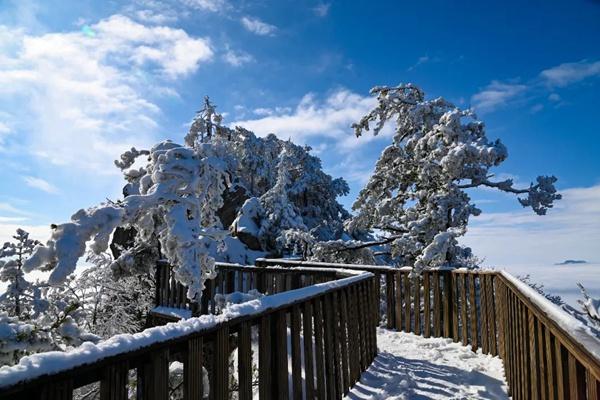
x,y
176,202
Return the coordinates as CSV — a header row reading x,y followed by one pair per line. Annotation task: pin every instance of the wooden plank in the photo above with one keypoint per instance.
x,y
377,294
114,382
355,344
397,315
337,354
319,349
534,355
264,358
296,354
463,309
417,305
307,333
373,321
245,361
154,376
389,294
550,365
280,356
483,308
593,392
492,315
499,307
193,388
407,303
447,303
329,348
344,336
454,300
60,390
541,343
508,340
577,384
516,351
561,388
362,343
525,351
220,386
426,305
437,332
473,309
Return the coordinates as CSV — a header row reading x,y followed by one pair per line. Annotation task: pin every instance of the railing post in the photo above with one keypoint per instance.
x,y
62,390
220,385
447,303
115,379
153,377
193,388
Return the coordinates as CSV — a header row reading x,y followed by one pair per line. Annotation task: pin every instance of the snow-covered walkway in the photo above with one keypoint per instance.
x,y
412,367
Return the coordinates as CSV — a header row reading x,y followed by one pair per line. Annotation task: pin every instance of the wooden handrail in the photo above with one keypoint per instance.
x,y
337,308
339,317
493,312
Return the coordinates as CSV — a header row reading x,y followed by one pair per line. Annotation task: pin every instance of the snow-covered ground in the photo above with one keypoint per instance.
x,y
562,279
412,367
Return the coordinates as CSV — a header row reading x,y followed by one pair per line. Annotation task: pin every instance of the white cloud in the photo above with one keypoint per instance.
x,y
237,58
38,232
208,5
85,94
4,128
568,73
496,94
570,230
9,208
155,17
258,27
41,184
330,118
554,97
322,9
536,108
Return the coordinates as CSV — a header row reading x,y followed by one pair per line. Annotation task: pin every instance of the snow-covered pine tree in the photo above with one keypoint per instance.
x,y
21,296
280,213
33,316
417,195
254,165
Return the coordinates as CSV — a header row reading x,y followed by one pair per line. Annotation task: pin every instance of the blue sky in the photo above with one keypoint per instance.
x,y
81,81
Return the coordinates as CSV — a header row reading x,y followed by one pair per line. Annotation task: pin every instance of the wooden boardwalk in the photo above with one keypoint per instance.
x,y
335,309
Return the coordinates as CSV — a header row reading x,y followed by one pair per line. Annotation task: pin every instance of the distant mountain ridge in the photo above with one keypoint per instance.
x,y
570,262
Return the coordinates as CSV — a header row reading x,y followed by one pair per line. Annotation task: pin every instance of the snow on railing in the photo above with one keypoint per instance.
x,y
110,360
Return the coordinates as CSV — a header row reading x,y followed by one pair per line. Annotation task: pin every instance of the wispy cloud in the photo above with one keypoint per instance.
x,y
9,208
569,73
424,60
321,10
237,58
496,94
570,230
208,5
41,184
258,27
87,94
328,118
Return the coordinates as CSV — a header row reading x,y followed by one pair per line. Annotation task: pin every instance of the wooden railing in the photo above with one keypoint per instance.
x,y
331,329
234,278
546,353
331,332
